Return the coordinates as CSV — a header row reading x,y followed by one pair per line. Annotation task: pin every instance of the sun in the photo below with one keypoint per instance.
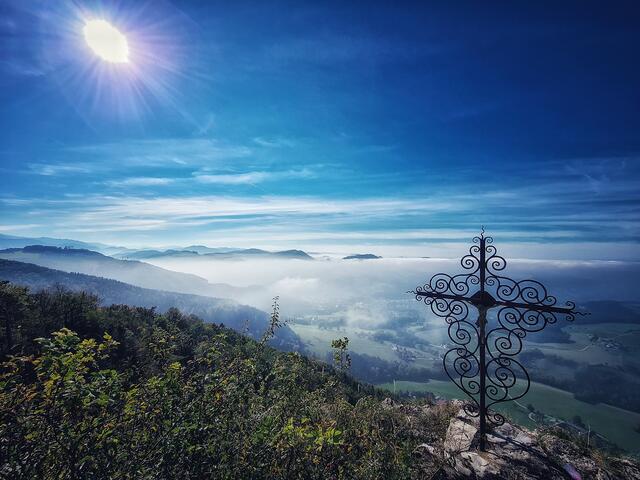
x,y
106,41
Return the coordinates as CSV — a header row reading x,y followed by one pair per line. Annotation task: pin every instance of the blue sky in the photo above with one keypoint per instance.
x,y
326,126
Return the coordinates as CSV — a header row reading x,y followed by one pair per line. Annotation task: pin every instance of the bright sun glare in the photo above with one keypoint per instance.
x,y
106,41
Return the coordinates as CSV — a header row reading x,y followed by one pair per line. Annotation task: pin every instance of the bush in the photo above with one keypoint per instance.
x,y
165,396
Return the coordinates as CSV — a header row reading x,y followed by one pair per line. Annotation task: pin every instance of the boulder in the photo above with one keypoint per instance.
x,y
515,453
460,436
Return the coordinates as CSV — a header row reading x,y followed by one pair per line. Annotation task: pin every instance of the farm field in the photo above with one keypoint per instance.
x,y
619,344
623,350
318,341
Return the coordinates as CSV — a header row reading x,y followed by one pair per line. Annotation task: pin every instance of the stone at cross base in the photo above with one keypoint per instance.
x,y
515,453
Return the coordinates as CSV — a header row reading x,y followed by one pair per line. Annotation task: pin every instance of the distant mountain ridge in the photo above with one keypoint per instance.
x,y
361,256
123,253
210,309
222,253
129,271
202,249
55,250
147,254
11,241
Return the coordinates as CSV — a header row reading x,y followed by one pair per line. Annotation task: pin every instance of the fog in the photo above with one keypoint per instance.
x,y
372,293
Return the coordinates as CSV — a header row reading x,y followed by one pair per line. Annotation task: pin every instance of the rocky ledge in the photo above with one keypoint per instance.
x,y
513,452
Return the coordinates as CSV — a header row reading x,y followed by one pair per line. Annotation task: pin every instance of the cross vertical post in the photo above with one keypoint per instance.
x,y
482,322
522,307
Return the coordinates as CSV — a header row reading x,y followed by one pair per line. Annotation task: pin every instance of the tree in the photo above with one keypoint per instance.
x,y
14,308
341,357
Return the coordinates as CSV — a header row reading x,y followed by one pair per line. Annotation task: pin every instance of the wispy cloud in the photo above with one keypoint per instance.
x,y
54,169
175,212
251,177
234,179
163,152
275,142
19,227
140,182
553,203
135,158
412,224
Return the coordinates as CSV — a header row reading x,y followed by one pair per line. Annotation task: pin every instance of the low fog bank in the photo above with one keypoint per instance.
x,y
372,294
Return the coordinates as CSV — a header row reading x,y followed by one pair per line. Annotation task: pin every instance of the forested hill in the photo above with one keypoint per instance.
x,y
239,317
125,393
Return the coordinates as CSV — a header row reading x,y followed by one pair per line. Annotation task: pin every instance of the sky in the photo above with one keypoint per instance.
x,y
332,126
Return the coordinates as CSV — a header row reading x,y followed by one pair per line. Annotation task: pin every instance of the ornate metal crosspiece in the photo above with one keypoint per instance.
x,y
483,361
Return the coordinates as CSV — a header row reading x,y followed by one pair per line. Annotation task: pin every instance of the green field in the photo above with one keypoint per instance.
x,y
318,341
615,424
583,351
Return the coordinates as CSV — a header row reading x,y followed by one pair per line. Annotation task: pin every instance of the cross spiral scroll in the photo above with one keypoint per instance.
x,y
483,361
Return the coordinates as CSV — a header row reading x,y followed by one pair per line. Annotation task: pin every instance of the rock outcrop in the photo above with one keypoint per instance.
x,y
513,452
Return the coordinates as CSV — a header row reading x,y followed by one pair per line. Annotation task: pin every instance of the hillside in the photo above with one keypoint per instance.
x,y
12,241
122,392
134,272
233,315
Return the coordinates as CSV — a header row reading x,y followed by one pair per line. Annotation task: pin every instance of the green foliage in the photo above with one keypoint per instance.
x,y
126,393
274,323
14,308
341,357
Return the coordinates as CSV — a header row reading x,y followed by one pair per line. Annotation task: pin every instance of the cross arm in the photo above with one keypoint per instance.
x,y
483,299
536,307
447,296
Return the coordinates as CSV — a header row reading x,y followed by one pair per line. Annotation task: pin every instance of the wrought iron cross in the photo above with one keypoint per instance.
x,y
482,363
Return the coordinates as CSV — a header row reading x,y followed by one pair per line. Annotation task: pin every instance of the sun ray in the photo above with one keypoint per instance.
x,y
117,62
